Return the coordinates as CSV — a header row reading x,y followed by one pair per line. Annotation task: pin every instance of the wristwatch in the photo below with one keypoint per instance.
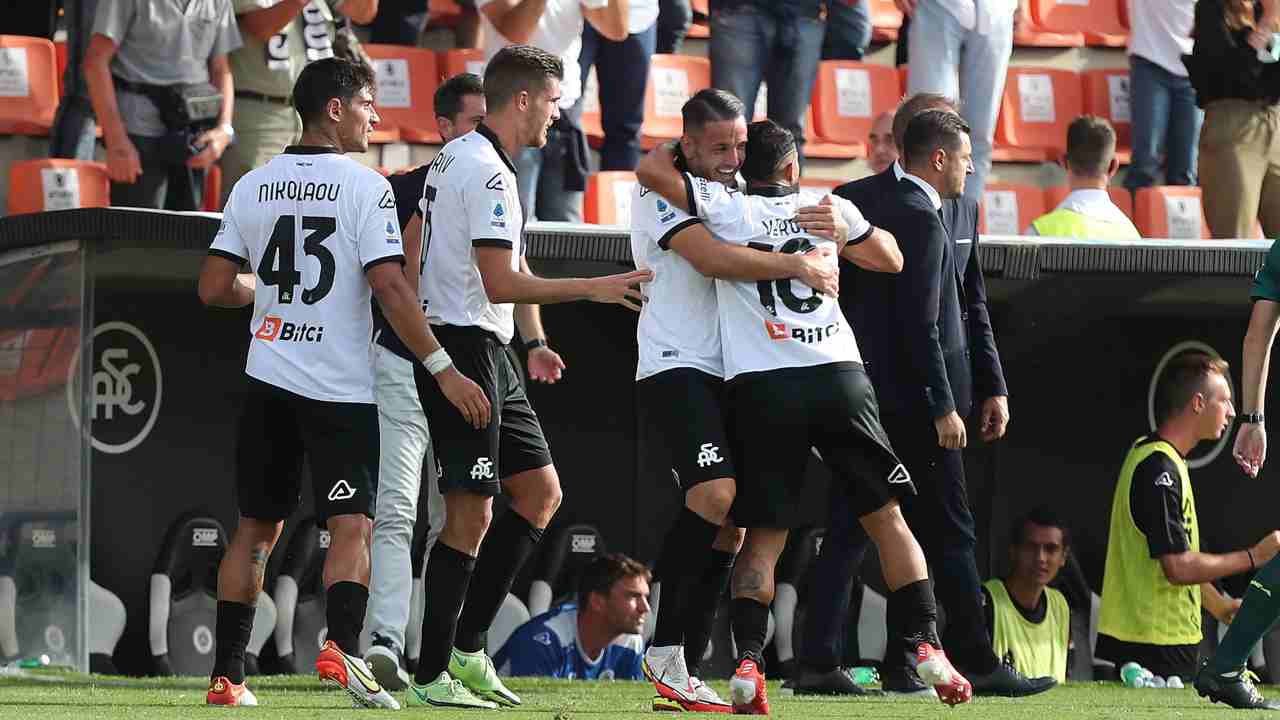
x,y
535,343
229,130
1251,418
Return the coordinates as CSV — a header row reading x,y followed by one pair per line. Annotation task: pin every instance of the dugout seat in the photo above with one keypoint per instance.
x,y
1106,94
1170,211
848,95
106,624
511,615
1008,209
567,552
673,79
302,626
183,599
407,82
1038,105
29,99
1119,195
51,184
38,568
608,199
1099,19
458,61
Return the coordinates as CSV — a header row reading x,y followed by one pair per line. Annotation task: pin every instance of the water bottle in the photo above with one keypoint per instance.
x,y
1133,675
1174,683
864,675
1156,682
33,662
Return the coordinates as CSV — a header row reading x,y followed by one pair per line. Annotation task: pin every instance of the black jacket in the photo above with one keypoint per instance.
x,y
1222,65
925,333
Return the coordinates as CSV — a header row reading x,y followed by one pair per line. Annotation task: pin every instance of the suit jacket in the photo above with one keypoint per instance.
x,y
925,333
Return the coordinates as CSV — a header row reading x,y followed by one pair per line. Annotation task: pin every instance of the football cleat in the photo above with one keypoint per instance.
x,y
446,692
747,689
383,659
935,669
224,692
677,690
476,671
352,675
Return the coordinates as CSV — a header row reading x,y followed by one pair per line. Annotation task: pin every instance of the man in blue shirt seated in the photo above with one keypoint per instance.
x,y
597,638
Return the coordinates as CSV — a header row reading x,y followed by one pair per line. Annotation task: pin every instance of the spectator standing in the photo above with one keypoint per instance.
x,y
598,638
622,71
961,48
1030,622
1239,161
280,38
552,178
778,42
72,136
674,18
1162,103
848,30
399,22
1156,578
1087,211
144,52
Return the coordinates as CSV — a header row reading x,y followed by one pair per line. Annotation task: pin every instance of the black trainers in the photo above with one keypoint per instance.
x,y
904,681
1234,689
831,682
383,659
1005,681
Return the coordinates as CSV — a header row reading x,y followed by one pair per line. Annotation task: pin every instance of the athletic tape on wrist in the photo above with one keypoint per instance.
x,y
437,361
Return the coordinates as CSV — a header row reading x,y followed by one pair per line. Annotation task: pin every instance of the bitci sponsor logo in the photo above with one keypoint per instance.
x,y
274,328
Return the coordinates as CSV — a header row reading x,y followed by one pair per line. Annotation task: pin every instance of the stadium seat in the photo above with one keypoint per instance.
x,y
212,201
301,625
1170,211
510,616
28,85
700,28
1099,18
1038,105
816,147
886,21
848,95
1008,209
568,551
608,200
106,624
42,185
673,79
1031,34
407,82
460,60
1106,94
38,565
1119,195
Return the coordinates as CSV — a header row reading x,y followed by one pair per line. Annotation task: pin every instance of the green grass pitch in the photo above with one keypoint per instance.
x,y
56,696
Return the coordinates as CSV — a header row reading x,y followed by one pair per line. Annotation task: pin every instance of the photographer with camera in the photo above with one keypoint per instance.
x,y
162,90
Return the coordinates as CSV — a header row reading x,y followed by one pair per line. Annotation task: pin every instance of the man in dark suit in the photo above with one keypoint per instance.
x,y
928,346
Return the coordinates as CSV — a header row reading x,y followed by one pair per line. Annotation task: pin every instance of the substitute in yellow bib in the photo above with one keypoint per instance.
x,y
1087,211
1156,578
1030,621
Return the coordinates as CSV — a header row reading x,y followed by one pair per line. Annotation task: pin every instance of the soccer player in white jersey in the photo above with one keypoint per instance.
x,y
319,232
679,376
472,240
795,381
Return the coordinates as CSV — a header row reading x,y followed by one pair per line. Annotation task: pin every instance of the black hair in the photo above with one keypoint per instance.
x,y
1044,516
1183,377
323,80
516,69
768,146
448,97
711,105
930,130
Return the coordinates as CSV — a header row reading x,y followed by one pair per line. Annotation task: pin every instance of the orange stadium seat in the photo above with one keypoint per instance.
x,y
1170,212
407,82
458,61
848,95
1008,209
816,147
886,21
1100,19
1119,195
1106,94
443,12
1030,33
28,84
1038,105
673,79
608,200
40,185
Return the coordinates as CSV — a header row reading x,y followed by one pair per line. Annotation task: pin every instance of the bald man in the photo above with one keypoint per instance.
x,y
881,150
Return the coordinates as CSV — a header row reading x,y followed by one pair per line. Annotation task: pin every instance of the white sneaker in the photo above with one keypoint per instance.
x,y
351,674
384,663
677,689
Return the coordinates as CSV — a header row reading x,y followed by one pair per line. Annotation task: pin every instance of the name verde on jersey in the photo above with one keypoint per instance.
x,y
774,324
310,224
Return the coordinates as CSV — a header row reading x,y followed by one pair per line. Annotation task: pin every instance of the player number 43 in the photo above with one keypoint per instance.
x,y
277,267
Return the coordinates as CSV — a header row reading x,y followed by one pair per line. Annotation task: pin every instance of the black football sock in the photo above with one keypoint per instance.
x,y
508,545
1257,614
449,571
917,615
235,623
702,602
750,620
685,553
345,603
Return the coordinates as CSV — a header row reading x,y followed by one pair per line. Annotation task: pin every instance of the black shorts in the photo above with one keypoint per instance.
x,y
1162,660
278,427
777,416
512,442
685,407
